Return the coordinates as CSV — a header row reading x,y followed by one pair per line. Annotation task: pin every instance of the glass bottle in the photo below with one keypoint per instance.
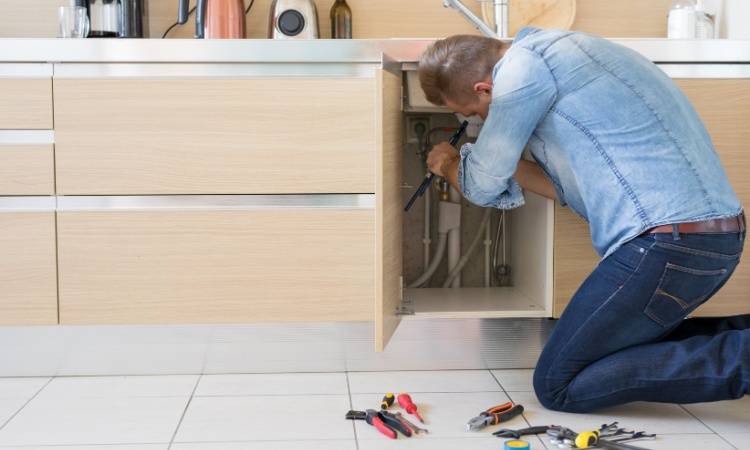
x,y
341,20
704,22
682,20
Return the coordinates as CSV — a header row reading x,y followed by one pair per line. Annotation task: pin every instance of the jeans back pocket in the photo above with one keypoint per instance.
x,y
680,291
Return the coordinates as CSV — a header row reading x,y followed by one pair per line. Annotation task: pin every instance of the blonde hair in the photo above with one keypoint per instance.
x,y
450,67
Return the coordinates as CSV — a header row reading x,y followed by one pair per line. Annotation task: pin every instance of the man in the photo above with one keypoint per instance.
x,y
616,141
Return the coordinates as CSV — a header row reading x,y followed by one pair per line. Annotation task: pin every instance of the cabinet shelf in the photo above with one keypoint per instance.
x,y
473,303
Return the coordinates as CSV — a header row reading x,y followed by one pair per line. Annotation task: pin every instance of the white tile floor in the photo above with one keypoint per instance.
x,y
305,411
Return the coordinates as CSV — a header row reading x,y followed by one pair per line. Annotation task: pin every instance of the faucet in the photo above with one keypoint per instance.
x,y
500,13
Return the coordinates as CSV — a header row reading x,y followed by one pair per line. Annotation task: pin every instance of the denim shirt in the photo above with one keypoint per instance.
x,y
622,145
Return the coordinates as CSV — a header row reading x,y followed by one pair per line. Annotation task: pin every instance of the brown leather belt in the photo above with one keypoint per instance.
x,y
729,225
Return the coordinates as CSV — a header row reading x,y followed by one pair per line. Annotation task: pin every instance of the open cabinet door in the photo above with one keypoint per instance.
x,y
388,206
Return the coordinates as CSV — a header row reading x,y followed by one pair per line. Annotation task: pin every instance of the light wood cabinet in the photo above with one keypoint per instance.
x,y
724,106
26,103
136,136
216,266
26,169
28,283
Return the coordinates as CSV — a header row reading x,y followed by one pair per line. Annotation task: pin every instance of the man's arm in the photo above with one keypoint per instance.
x,y
444,159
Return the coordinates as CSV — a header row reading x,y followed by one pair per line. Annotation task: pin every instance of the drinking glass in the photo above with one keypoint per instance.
x,y
74,22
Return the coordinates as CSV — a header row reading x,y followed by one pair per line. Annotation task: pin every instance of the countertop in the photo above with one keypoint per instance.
x,y
314,51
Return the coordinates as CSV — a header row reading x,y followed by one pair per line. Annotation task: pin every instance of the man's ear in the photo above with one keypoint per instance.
x,y
483,87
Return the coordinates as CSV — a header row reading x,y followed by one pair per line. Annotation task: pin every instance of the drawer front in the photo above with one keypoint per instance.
x,y
27,268
215,136
26,103
26,169
220,266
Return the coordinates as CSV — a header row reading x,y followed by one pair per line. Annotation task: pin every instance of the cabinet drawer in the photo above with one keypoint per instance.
x,y
215,136
27,268
216,266
26,102
26,169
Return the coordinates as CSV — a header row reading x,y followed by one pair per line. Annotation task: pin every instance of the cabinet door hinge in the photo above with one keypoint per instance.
x,y
405,305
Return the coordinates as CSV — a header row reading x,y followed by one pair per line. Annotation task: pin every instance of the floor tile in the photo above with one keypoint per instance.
x,y
659,418
273,384
422,381
730,416
515,379
740,440
685,442
269,445
21,387
210,419
126,386
97,447
446,414
58,420
8,407
476,443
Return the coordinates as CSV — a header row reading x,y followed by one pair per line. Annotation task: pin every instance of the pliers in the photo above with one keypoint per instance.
x,y
517,434
494,415
383,421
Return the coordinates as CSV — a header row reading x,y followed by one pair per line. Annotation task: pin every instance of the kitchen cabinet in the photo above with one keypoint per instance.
x,y
724,106
235,259
26,169
203,134
27,264
26,93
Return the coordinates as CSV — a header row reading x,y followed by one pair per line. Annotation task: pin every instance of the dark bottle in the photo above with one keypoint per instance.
x,y
341,20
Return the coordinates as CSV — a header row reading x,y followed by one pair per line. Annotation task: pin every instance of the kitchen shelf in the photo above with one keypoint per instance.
x,y
473,303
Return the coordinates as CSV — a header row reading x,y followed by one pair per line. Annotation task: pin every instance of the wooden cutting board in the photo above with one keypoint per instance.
x,y
558,14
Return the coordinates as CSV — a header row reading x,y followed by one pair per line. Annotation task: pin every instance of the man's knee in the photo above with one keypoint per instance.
x,y
553,395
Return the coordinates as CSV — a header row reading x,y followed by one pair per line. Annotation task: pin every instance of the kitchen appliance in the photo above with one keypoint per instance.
x,y
104,17
215,19
293,19
133,18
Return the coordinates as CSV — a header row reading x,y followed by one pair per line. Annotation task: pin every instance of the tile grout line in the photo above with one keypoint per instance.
x,y
26,403
351,406
523,415
184,412
706,425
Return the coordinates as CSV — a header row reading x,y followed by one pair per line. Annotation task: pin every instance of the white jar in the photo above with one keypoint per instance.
x,y
682,20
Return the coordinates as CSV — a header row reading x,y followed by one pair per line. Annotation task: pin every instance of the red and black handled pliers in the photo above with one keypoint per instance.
x,y
383,421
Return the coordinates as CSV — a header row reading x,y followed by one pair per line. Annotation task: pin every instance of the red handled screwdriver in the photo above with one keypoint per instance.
x,y
405,401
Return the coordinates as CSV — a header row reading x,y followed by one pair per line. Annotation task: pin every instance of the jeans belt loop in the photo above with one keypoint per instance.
x,y
675,232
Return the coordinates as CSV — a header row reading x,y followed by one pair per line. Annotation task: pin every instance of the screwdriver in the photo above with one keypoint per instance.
x,y
387,401
405,401
428,178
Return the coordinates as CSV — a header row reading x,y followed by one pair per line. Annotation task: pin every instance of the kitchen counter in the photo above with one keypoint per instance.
x,y
318,51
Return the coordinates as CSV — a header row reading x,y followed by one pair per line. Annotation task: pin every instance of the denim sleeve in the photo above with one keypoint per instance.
x,y
523,93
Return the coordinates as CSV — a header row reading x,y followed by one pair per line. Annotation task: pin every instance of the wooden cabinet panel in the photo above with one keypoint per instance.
x,y
724,106
215,136
28,281
26,169
26,103
389,215
167,267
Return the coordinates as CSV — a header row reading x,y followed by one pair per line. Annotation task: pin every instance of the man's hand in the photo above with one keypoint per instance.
x,y
442,158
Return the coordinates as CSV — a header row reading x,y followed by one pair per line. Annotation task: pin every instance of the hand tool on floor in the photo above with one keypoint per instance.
x,y
372,418
416,429
565,437
395,422
494,416
388,400
515,444
405,401
517,434
428,178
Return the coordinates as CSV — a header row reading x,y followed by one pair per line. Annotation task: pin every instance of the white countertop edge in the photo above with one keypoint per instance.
x,y
314,51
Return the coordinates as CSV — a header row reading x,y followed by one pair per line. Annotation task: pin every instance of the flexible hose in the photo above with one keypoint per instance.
x,y
474,244
436,260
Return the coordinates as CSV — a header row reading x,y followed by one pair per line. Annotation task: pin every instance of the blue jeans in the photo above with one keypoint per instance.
x,y
623,337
